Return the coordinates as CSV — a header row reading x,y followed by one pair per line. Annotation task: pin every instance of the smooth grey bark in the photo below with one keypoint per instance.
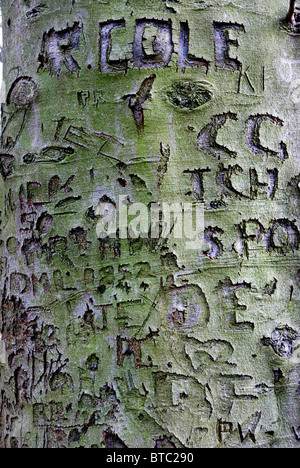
x,y
143,343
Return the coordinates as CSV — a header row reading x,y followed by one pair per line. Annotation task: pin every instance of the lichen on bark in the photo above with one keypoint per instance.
x,y
139,342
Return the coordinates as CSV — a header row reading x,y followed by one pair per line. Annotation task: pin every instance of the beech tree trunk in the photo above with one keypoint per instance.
x,y
142,342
